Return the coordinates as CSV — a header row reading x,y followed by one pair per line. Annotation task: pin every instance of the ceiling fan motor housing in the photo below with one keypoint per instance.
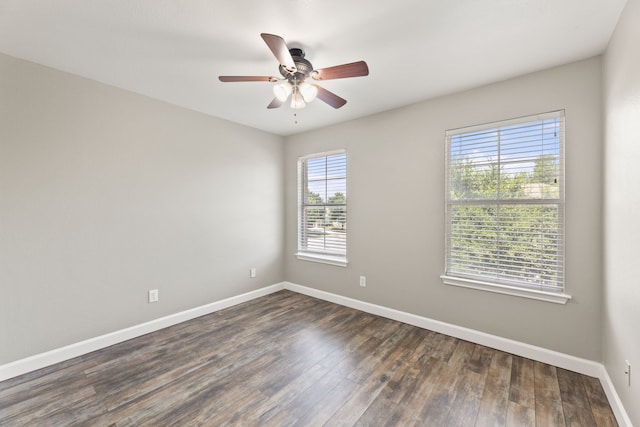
x,y
304,67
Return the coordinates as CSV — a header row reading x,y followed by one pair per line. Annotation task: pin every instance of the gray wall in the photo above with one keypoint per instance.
x,y
105,194
396,210
621,326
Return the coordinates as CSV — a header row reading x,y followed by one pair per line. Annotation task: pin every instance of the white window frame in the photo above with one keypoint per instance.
x,y
484,282
325,256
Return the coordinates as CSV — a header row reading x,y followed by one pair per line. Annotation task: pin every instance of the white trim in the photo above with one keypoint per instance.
x,y
323,154
338,260
42,360
561,360
556,297
614,400
508,122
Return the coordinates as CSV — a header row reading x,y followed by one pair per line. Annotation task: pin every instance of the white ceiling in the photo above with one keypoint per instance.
x,y
174,50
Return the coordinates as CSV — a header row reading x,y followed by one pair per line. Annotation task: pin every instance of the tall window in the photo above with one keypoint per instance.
x,y
322,207
505,206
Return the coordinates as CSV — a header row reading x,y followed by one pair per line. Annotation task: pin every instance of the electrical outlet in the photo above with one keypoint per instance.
x,y
363,281
252,272
153,295
628,371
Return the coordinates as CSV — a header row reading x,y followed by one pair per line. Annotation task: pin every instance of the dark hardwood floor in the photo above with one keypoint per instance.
x,y
288,359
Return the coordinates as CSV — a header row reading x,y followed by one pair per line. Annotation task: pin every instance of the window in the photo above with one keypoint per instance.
x,y
322,208
505,207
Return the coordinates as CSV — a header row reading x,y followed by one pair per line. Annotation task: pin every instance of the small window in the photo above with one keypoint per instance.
x,y
505,207
322,208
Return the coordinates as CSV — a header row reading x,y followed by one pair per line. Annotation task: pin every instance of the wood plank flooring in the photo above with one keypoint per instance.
x,y
290,360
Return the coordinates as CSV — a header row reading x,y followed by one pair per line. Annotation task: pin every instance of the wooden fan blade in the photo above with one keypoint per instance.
x,y
280,51
276,103
330,98
247,79
354,69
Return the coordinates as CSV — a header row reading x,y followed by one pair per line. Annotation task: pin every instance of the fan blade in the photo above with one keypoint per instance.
x,y
280,51
276,103
330,98
247,79
354,69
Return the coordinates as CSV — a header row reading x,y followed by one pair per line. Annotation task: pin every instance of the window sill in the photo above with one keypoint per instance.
x,y
338,260
555,297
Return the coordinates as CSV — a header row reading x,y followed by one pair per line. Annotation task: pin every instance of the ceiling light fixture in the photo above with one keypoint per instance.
x,y
309,92
301,93
282,91
297,100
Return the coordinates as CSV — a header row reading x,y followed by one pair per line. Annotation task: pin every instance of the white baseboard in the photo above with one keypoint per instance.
x,y
614,400
561,360
61,354
576,364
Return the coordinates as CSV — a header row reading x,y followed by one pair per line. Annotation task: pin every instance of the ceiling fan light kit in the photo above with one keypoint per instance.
x,y
309,92
297,101
282,91
296,71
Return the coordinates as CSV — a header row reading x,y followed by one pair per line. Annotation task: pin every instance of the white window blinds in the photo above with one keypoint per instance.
x,y
505,203
322,207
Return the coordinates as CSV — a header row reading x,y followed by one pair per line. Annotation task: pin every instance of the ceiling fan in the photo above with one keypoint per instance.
x,y
299,76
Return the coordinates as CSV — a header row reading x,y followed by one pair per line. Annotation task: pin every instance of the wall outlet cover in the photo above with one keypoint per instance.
x,y
153,295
